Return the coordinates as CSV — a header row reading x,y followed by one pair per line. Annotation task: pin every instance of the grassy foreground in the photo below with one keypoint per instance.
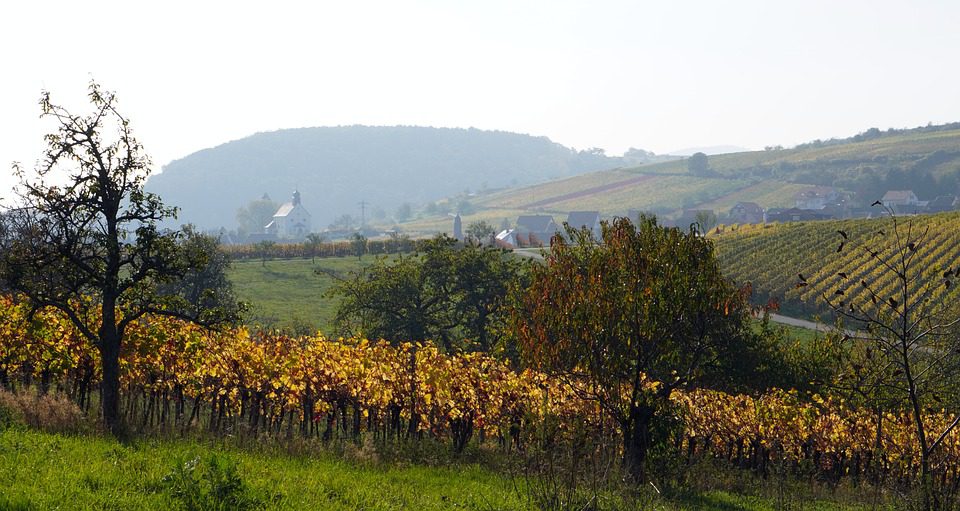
x,y
52,471
45,471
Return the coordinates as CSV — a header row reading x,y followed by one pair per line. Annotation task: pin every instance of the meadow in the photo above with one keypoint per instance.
x,y
46,470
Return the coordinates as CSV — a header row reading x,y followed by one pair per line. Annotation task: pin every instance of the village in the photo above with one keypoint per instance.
x,y
292,222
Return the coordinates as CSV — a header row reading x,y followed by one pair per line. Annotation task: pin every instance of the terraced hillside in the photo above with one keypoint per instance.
x,y
772,256
924,159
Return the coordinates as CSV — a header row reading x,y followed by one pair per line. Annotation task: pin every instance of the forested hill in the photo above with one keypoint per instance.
x,y
335,168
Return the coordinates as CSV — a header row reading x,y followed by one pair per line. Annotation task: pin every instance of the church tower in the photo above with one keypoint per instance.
x,y
458,228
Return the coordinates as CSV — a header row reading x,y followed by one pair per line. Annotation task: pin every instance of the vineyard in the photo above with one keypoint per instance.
x,y
773,256
178,377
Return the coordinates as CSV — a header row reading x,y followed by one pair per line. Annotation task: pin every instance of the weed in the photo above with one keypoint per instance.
x,y
211,484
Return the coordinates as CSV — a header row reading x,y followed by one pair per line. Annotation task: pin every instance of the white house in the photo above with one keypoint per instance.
x,y
817,197
291,221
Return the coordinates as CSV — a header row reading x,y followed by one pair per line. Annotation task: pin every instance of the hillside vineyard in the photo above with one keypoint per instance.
x,y
773,256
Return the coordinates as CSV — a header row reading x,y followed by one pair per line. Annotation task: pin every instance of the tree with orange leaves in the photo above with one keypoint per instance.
x,y
638,313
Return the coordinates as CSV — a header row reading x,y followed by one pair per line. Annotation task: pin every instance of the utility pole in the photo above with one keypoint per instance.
x,y
363,214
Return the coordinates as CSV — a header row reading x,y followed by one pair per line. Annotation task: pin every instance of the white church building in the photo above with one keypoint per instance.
x,y
291,221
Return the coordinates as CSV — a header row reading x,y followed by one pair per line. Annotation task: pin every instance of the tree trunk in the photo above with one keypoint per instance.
x,y
637,440
110,384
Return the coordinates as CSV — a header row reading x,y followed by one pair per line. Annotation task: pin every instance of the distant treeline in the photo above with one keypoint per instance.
x,y
875,133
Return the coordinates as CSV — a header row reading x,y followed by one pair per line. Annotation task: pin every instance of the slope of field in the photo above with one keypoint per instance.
x,y
772,257
867,165
47,471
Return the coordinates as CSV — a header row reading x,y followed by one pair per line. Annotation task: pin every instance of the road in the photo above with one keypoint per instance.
x,y
802,323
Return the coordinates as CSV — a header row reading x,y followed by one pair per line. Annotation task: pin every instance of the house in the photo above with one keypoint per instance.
x,y
506,238
585,220
291,221
746,213
795,215
817,197
535,230
942,203
901,200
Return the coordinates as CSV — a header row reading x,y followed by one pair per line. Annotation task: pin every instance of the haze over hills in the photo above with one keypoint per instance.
x,y
337,167
925,160
709,150
508,174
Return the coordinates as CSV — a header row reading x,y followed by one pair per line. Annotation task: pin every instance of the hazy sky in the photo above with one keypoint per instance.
x,y
655,75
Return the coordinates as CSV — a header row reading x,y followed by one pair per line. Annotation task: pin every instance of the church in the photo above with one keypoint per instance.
x,y
291,221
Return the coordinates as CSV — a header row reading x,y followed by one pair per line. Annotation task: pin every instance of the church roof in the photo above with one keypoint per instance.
x,y
284,210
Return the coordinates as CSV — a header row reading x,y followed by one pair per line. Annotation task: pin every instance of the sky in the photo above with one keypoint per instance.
x,y
658,75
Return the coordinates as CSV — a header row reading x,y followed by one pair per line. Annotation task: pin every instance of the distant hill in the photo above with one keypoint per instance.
x,y
714,149
337,167
925,160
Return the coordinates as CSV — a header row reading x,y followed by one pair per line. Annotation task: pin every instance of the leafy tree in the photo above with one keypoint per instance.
x,y
637,314
90,246
404,212
480,231
256,214
706,220
447,293
906,341
265,249
358,242
204,286
343,222
314,243
698,165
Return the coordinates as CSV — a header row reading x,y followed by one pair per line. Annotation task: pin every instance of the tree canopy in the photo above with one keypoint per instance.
x,y
84,238
448,293
638,313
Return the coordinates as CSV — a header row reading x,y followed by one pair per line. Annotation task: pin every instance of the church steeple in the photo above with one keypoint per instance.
x,y
296,197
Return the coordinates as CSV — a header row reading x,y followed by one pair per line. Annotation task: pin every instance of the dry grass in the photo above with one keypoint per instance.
x,y
53,413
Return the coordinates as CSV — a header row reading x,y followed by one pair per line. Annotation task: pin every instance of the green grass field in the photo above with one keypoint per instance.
x,y
41,471
45,471
288,293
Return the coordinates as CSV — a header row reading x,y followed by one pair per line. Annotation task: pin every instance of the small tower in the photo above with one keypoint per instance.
x,y
458,227
296,197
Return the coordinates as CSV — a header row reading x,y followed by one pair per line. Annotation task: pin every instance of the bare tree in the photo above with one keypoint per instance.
x,y
906,332
84,238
